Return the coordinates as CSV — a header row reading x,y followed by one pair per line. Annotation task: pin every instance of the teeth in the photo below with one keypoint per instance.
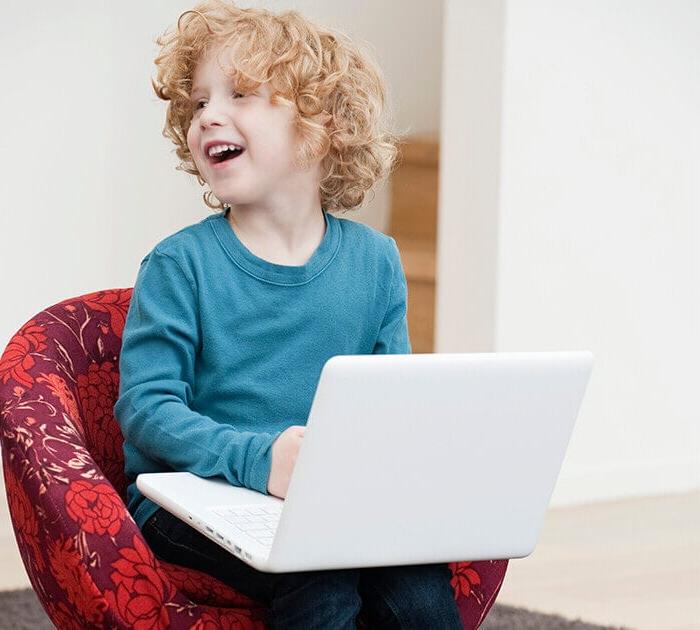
x,y
220,148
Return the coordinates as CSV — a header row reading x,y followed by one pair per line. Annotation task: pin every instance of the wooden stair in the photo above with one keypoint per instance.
x,y
413,224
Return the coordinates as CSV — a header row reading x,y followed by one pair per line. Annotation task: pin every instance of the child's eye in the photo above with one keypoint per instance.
x,y
198,103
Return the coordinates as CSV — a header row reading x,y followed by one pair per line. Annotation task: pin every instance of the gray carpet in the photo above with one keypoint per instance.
x,y
21,610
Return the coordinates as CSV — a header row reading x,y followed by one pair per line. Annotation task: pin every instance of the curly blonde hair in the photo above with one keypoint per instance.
x,y
337,92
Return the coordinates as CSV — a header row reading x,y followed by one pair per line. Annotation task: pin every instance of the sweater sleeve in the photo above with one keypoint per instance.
x,y
157,362
393,336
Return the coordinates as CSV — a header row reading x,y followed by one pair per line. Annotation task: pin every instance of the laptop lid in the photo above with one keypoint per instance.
x,y
424,458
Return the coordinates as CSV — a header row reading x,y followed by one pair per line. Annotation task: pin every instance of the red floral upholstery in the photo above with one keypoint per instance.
x,y
63,465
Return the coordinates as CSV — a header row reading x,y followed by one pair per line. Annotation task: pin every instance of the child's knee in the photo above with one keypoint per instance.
x,y
413,597
335,585
316,599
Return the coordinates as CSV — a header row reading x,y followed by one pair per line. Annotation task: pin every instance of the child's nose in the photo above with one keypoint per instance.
x,y
210,120
212,116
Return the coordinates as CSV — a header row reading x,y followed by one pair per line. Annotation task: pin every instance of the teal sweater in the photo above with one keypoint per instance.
x,y
222,350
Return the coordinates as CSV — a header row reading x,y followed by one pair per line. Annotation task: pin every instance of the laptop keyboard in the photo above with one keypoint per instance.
x,y
257,521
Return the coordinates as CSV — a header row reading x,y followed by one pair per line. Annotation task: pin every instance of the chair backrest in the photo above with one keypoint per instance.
x,y
68,356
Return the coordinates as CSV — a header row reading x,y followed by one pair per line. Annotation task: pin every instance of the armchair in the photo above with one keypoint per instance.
x,y
64,478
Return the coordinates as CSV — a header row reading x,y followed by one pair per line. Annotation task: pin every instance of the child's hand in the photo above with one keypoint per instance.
x,y
284,455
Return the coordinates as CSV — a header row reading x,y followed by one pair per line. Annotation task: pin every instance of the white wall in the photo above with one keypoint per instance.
x,y
567,209
87,182
470,154
591,229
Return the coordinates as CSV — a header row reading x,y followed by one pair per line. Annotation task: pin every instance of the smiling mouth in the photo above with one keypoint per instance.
x,y
226,156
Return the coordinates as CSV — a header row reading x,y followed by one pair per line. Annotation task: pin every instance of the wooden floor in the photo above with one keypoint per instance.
x,y
633,563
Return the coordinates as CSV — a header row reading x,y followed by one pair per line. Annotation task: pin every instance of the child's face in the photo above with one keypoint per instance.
x,y
264,172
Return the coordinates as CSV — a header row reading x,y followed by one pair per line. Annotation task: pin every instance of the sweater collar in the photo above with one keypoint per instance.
x,y
272,272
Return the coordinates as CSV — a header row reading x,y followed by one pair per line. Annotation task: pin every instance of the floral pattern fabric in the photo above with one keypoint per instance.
x,y
64,478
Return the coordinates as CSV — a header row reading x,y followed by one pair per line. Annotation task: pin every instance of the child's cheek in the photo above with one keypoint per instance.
x,y
192,144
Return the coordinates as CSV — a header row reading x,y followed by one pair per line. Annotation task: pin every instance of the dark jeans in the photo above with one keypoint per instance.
x,y
417,596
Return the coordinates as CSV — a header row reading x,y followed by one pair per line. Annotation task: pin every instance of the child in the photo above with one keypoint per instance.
x,y
233,317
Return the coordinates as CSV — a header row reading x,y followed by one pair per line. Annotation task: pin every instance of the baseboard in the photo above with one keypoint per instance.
x,y
618,482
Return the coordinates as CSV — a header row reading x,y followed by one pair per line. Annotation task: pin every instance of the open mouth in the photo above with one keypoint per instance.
x,y
226,156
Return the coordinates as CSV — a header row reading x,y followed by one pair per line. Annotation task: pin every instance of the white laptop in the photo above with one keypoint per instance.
x,y
406,459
